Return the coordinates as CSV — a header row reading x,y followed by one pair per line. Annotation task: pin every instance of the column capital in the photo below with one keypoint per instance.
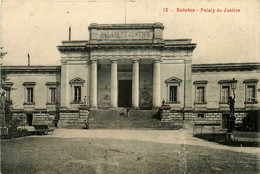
x,y
113,60
64,61
157,61
93,61
136,60
188,60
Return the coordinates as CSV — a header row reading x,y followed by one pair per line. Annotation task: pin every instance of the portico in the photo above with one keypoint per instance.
x,y
126,65
131,75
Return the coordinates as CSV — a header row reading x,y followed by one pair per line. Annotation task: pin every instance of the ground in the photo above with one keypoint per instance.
x,y
124,151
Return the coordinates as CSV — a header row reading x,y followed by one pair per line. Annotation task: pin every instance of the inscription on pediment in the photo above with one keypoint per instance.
x,y
124,34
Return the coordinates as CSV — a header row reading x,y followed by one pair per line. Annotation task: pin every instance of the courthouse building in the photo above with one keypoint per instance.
x,y
129,66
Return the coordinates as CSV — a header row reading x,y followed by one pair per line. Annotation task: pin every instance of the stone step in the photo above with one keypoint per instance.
x,y
138,119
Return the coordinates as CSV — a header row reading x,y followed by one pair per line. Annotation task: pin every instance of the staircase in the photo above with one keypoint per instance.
x,y
138,119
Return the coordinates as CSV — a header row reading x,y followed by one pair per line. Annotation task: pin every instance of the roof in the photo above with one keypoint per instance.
x,y
31,69
225,67
126,26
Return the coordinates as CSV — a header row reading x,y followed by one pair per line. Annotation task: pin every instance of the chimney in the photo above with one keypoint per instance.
x,y
28,59
70,33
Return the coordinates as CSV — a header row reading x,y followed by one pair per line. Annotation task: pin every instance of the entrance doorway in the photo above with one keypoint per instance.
x,y
124,93
29,119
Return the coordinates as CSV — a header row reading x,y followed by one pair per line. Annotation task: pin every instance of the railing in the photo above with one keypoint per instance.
x,y
200,123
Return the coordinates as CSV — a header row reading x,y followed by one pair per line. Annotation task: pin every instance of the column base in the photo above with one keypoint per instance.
x,y
63,108
113,108
93,108
135,108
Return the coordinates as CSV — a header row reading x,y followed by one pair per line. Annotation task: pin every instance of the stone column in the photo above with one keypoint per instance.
x,y
156,84
114,84
135,85
93,84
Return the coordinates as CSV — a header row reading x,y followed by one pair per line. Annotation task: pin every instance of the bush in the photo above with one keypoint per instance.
x,y
251,121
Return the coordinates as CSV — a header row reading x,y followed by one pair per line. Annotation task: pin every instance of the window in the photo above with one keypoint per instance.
x,y
250,93
29,92
200,94
173,94
7,86
173,84
225,93
200,115
251,87
76,85
77,94
225,90
53,95
200,91
29,95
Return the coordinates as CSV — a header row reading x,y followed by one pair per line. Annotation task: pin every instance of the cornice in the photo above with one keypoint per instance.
x,y
225,67
31,69
126,26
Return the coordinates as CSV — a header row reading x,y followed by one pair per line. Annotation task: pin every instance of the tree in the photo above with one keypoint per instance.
x,y
5,105
2,54
251,121
2,75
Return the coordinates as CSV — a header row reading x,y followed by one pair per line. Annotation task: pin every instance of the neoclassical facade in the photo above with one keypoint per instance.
x,y
125,66
129,66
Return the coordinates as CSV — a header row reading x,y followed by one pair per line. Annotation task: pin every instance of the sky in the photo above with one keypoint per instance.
x,y
37,27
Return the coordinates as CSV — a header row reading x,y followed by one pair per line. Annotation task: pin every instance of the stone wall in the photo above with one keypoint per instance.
x,y
22,117
169,116
172,115
43,119
73,119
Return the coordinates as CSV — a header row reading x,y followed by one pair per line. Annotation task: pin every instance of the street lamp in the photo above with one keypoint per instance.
x,y
232,118
233,84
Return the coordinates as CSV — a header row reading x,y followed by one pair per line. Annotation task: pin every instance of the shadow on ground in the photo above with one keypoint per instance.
x,y
221,139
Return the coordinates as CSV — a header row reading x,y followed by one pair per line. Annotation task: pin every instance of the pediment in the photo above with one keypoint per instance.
x,y
250,81
173,80
77,80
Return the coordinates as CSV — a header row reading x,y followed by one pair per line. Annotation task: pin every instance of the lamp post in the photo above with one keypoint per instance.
x,y
233,85
232,118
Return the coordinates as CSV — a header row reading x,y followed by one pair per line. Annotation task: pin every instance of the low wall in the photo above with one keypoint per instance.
x,y
20,116
43,119
168,115
73,119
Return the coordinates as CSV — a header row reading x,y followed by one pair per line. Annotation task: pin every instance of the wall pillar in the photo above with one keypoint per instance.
x,y
188,85
64,84
156,84
93,84
135,85
114,85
